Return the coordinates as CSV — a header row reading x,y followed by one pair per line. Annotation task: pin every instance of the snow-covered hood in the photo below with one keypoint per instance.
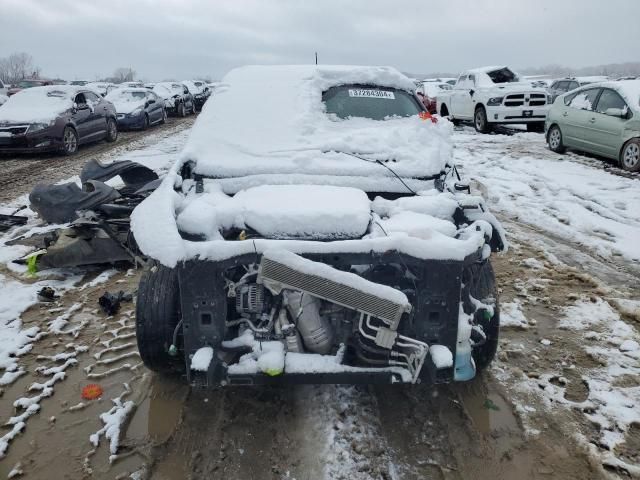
x,y
127,106
38,104
514,87
271,121
3,99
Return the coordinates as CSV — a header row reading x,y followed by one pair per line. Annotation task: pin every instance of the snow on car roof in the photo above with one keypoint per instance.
x,y
630,90
487,69
270,120
39,104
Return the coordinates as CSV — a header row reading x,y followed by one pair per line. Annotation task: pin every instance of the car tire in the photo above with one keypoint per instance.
x,y
112,130
630,155
157,316
554,140
480,121
145,122
164,117
69,141
182,112
482,287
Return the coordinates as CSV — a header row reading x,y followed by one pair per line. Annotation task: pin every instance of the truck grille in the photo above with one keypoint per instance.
x,y
528,99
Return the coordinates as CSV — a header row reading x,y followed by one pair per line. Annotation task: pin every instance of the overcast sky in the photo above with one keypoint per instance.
x,y
161,39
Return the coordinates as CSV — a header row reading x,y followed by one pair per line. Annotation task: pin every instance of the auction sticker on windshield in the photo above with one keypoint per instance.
x,y
371,93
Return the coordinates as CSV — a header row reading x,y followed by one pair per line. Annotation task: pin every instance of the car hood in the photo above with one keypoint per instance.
x,y
127,106
280,211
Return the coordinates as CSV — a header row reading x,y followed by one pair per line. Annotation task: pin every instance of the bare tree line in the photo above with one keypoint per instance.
x,y
18,66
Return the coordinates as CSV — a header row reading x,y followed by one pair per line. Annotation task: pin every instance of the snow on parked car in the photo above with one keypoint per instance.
x,y
491,96
56,117
177,99
3,99
137,107
317,236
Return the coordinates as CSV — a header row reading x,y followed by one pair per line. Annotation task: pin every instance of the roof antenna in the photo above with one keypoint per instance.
x,y
316,58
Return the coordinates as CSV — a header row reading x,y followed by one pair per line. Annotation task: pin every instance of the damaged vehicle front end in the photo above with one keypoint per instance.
x,y
325,238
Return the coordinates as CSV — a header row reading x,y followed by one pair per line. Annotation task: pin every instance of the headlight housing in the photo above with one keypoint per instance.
x,y
136,112
549,99
36,127
495,101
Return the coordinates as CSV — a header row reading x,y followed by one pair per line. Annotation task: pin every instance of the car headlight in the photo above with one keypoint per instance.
x,y
136,112
495,101
549,99
36,127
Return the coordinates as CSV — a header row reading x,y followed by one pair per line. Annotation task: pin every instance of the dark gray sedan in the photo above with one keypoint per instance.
x,y
55,118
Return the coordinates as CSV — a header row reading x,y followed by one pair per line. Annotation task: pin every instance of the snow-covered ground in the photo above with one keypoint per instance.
x,y
562,399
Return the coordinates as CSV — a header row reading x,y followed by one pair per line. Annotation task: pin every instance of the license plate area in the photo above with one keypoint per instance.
x,y
527,113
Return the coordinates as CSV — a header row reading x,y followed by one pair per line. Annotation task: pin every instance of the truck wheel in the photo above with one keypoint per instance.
x,y
480,120
630,156
157,316
483,287
554,139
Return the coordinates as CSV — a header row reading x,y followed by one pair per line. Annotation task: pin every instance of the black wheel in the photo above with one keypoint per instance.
x,y
157,316
164,117
554,139
112,130
69,141
482,286
182,112
630,155
145,122
535,127
480,120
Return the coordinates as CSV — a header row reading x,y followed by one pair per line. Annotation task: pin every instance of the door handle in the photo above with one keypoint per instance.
x,y
592,120
564,114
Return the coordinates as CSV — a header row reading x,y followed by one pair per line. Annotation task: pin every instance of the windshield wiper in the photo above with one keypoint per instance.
x,y
435,177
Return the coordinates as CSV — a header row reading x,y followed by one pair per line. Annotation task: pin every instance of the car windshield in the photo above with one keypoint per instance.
x,y
126,96
376,103
503,75
28,84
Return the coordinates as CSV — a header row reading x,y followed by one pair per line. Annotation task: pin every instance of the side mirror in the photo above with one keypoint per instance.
x,y
471,92
616,112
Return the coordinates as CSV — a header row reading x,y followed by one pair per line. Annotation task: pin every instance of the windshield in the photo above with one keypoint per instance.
x,y
28,84
376,103
126,96
503,75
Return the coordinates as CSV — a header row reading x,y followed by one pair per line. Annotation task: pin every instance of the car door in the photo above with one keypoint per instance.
x,y
578,119
460,96
98,114
82,118
608,128
155,107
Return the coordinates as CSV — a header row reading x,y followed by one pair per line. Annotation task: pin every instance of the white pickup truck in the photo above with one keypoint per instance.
x,y
494,95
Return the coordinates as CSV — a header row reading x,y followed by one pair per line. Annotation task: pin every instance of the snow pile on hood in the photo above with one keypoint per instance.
x,y
271,120
126,100
282,211
38,104
3,99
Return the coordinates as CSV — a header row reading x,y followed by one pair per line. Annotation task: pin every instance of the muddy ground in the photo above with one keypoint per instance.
x,y
502,425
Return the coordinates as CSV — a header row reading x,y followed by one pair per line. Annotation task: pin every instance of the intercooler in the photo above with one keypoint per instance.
x,y
284,270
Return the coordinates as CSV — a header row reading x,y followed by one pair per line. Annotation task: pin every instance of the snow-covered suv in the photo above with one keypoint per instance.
x,y
319,235
490,96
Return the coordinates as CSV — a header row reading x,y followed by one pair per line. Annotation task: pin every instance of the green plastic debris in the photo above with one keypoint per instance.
x,y
490,405
32,265
273,372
